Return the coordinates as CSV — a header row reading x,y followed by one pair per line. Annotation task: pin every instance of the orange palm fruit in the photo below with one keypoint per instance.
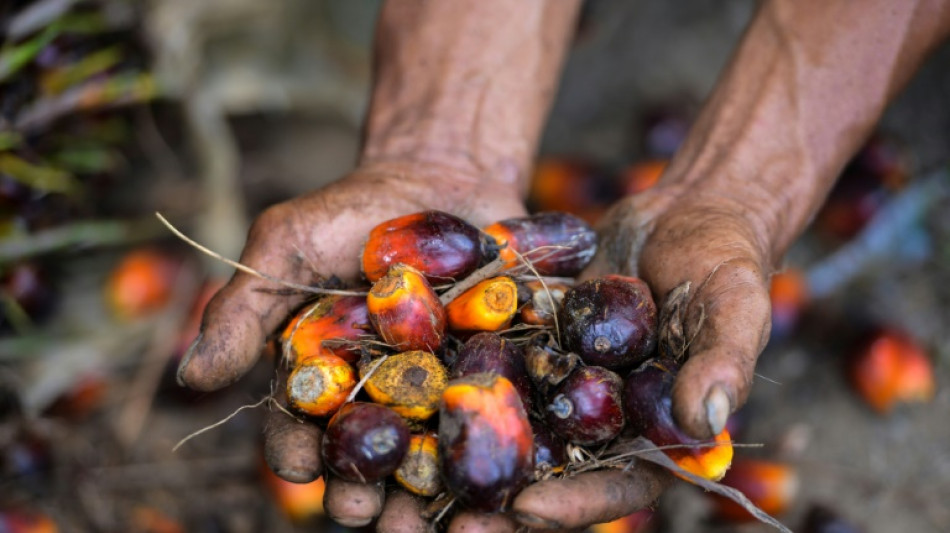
x,y
648,405
301,502
320,385
892,369
556,244
771,486
405,310
789,295
322,328
488,306
640,176
486,445
419,471
409,383
23,521
543,302
141,283
441,246
637,522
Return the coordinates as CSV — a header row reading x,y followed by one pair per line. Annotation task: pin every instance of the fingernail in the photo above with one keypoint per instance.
x,y
186,359
537,522
717,409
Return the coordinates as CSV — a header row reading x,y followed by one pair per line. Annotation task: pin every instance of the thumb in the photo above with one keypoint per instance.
x,y
244,312
727,325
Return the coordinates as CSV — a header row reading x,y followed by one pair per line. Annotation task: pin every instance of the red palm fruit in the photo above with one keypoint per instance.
x,y
365,442
556,244
640,176
587,408
419,471
301,502
489,352
318,329
405,310
609,321
441,246
892,369
771,486
572,186
320,385
637,522
142,283
648,404
486,447
23,521
410,383
550,453
488,306
789,294
543,302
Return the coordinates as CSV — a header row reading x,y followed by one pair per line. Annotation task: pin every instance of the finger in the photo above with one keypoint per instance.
x,y
590,498
241,315
472,522
402,514
291,446
353,504
728,322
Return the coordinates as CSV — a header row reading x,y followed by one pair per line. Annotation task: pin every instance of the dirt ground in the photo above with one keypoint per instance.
x,y
885,473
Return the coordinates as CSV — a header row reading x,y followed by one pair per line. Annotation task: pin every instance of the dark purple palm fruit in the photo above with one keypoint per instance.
x,y
550,453
492,353
587,408
365,442
609,322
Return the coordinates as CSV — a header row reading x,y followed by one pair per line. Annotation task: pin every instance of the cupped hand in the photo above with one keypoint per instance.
x,y
305,240
668,236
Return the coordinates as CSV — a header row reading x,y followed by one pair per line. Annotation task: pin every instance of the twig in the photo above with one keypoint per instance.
x,y
480,275
527,264
248,270
365,378
222,421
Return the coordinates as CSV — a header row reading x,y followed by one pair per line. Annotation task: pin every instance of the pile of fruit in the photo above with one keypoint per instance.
x,y
476,364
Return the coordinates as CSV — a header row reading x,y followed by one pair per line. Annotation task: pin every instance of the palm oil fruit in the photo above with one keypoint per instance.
x,y
892,369
410,383
771,486
365,442
609,322
488,306
550,453
587,408
648,404
141,283
441,246
405,311
419,471
320,385
486,446
546,365
543,303
489,352
556,244
323,327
